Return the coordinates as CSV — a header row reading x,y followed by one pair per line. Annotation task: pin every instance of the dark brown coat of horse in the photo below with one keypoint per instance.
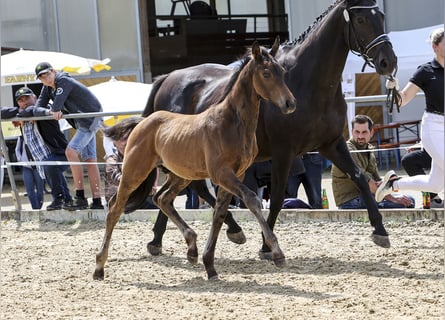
x,y
314,65
224,146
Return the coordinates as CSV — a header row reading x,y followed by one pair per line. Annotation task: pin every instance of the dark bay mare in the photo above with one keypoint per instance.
x,y
314,65
224,146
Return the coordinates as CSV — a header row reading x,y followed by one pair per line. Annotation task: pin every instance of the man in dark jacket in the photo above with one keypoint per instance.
x,y
46,143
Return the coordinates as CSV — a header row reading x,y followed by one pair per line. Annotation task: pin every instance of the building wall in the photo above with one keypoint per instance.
x,y
110,28
399,14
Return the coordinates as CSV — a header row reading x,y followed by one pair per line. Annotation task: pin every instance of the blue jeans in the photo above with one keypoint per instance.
x,y
34,187
311,180
56,178
359,203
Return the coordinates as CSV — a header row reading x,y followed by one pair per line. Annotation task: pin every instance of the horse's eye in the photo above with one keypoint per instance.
x,y
361,20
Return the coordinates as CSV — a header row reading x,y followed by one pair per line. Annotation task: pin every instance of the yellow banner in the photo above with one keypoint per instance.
x,y
9,130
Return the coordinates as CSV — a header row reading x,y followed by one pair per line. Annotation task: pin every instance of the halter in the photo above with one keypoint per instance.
x,y
363,49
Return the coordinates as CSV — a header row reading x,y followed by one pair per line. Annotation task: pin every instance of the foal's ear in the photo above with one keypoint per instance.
x,y
275,46
256,50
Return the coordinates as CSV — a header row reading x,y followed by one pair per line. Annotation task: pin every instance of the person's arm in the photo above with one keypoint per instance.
x,y
408,93
9,112
63,90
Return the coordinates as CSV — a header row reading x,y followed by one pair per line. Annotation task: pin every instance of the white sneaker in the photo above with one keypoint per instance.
x,y
385,187
436,203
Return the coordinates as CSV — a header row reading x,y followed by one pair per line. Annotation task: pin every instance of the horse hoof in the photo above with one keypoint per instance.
x,y
192,259
214,278
280,263
381,241
154,250
265,255
98,274
237,237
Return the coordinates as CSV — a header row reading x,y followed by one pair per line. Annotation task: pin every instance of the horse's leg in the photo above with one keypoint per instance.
x,y
131,179
339,154
164,199
234,231
154,247
220,212
280,171
230,182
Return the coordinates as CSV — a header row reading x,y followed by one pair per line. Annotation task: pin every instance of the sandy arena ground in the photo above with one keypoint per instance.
x,y
333,271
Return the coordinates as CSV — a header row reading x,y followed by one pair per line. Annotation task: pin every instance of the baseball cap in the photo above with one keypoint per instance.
x,y
43,67
23,91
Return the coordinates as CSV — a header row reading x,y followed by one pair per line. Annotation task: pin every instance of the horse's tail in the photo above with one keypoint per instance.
x,y
139,196
149,107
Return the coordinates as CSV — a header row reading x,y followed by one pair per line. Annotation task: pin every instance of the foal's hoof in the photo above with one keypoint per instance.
x,y
237,237
154,249
265,255
280,263
381,241
98,274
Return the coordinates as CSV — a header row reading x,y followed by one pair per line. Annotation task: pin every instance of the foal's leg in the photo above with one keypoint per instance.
x,y
131,179
208,257
164,199
234,231
116,207
230,182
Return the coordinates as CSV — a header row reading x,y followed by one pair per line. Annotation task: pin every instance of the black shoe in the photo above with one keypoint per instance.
x,y
76,204
96,206
56,204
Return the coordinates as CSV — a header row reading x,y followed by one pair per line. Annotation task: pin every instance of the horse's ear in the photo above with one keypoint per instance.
x,y
275,46
256,50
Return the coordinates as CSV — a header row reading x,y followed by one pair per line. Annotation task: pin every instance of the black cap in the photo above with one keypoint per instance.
x,y
23,91
43,67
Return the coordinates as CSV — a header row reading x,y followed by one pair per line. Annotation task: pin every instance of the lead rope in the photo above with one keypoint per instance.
x,y
393,96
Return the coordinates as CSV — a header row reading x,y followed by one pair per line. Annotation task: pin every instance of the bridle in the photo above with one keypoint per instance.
x,y
393,96
363,50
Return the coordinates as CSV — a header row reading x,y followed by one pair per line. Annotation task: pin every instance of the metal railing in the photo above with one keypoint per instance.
x,y
9,164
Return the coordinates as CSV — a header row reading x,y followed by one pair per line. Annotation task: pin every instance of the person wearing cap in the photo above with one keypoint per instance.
x,y
70,96
45,142
429,77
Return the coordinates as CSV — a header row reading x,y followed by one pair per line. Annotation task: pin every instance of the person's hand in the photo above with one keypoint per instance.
x,y
16,123
57,114
392,83
402,200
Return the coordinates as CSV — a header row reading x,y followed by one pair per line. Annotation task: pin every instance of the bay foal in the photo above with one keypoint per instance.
x,y
224,146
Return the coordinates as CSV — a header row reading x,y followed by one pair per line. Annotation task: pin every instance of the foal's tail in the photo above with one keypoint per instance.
x,y
139,196
149,107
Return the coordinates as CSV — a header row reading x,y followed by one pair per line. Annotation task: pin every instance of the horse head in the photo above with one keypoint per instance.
x,y
365,35
268,79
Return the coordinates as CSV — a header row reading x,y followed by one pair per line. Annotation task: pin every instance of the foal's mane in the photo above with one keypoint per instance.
x,y
314,25
244,61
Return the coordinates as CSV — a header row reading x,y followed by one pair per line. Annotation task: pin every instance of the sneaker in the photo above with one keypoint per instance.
x,y
385,187
76,204
436,203
56,204
96,206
